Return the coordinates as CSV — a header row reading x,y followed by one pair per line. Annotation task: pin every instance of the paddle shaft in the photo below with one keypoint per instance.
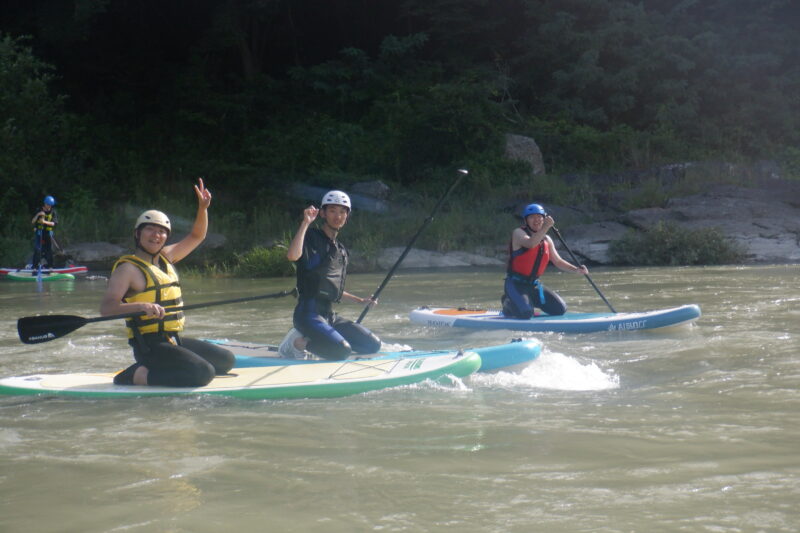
x,y
461,173
575,259
44,328
197,306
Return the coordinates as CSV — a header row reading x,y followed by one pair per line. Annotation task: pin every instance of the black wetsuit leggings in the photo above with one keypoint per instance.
x,y
520,299
330,336
192,363
42,248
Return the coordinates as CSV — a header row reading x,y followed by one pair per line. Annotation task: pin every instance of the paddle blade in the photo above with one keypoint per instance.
x,y
36,329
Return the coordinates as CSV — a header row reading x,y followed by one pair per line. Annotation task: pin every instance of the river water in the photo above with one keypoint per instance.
x,y
695,428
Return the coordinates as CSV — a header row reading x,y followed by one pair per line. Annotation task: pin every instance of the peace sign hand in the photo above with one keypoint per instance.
x,y
203,195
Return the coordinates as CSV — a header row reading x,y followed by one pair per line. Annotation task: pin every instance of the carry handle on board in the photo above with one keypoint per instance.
x,y
45,328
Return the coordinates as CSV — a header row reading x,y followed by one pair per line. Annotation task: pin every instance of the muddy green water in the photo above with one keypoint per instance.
x,y
695,428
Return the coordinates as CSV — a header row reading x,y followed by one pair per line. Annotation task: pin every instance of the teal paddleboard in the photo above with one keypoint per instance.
x,y
503,357
324,380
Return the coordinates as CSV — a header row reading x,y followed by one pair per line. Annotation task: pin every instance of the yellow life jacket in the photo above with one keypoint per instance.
x,y
49,216
163,288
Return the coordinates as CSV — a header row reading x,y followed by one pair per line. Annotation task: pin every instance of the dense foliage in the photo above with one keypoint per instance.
x,y
264,262
109,101
667,244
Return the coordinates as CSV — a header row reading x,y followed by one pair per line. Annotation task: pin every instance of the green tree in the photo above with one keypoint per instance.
x,y
34,128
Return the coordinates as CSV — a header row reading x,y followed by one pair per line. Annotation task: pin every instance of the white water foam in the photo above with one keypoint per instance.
x,y
394,347
551,370
555,371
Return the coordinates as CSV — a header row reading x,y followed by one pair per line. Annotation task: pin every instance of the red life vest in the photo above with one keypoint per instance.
x,y
528,263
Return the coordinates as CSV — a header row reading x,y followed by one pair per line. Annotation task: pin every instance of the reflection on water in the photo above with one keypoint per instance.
x,y
692,428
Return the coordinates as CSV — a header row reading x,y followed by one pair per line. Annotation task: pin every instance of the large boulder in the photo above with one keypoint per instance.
x,y
313,195
375,189
590,242
521,148
103,255
417,258
764,222
180,227
95,255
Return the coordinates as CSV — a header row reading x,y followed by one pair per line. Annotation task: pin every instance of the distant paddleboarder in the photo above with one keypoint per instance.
x,y
44,225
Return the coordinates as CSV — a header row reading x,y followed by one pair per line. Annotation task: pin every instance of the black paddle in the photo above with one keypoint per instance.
x,y
575,259
55,242
461,173
36,329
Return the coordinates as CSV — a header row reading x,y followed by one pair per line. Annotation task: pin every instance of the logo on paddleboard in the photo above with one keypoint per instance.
x,y
413,364
628,326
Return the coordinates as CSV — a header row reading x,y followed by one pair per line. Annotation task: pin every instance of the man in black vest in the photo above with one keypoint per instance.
x,y
321,262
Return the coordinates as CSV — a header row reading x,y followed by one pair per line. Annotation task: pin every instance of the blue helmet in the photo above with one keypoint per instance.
x,y
533,209
49,200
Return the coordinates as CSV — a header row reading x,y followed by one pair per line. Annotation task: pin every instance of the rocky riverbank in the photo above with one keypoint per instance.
x,y
763,221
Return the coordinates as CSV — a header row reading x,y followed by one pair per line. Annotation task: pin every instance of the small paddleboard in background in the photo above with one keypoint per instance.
x,y
324,380
567,323
63,270
505,357
13,276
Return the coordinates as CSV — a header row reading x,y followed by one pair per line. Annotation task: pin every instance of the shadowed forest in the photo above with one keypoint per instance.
x,y
105,103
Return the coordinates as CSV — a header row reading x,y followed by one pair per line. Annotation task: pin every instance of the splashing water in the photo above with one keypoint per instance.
x,y
555,371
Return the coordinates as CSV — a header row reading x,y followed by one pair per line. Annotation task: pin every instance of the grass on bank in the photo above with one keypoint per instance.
x,y
476,218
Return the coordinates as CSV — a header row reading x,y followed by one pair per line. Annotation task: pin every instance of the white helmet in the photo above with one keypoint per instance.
x,y
336,198
154,217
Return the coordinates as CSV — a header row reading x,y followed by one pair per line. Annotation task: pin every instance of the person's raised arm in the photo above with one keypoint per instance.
x,y
179,250
295,251
521,239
